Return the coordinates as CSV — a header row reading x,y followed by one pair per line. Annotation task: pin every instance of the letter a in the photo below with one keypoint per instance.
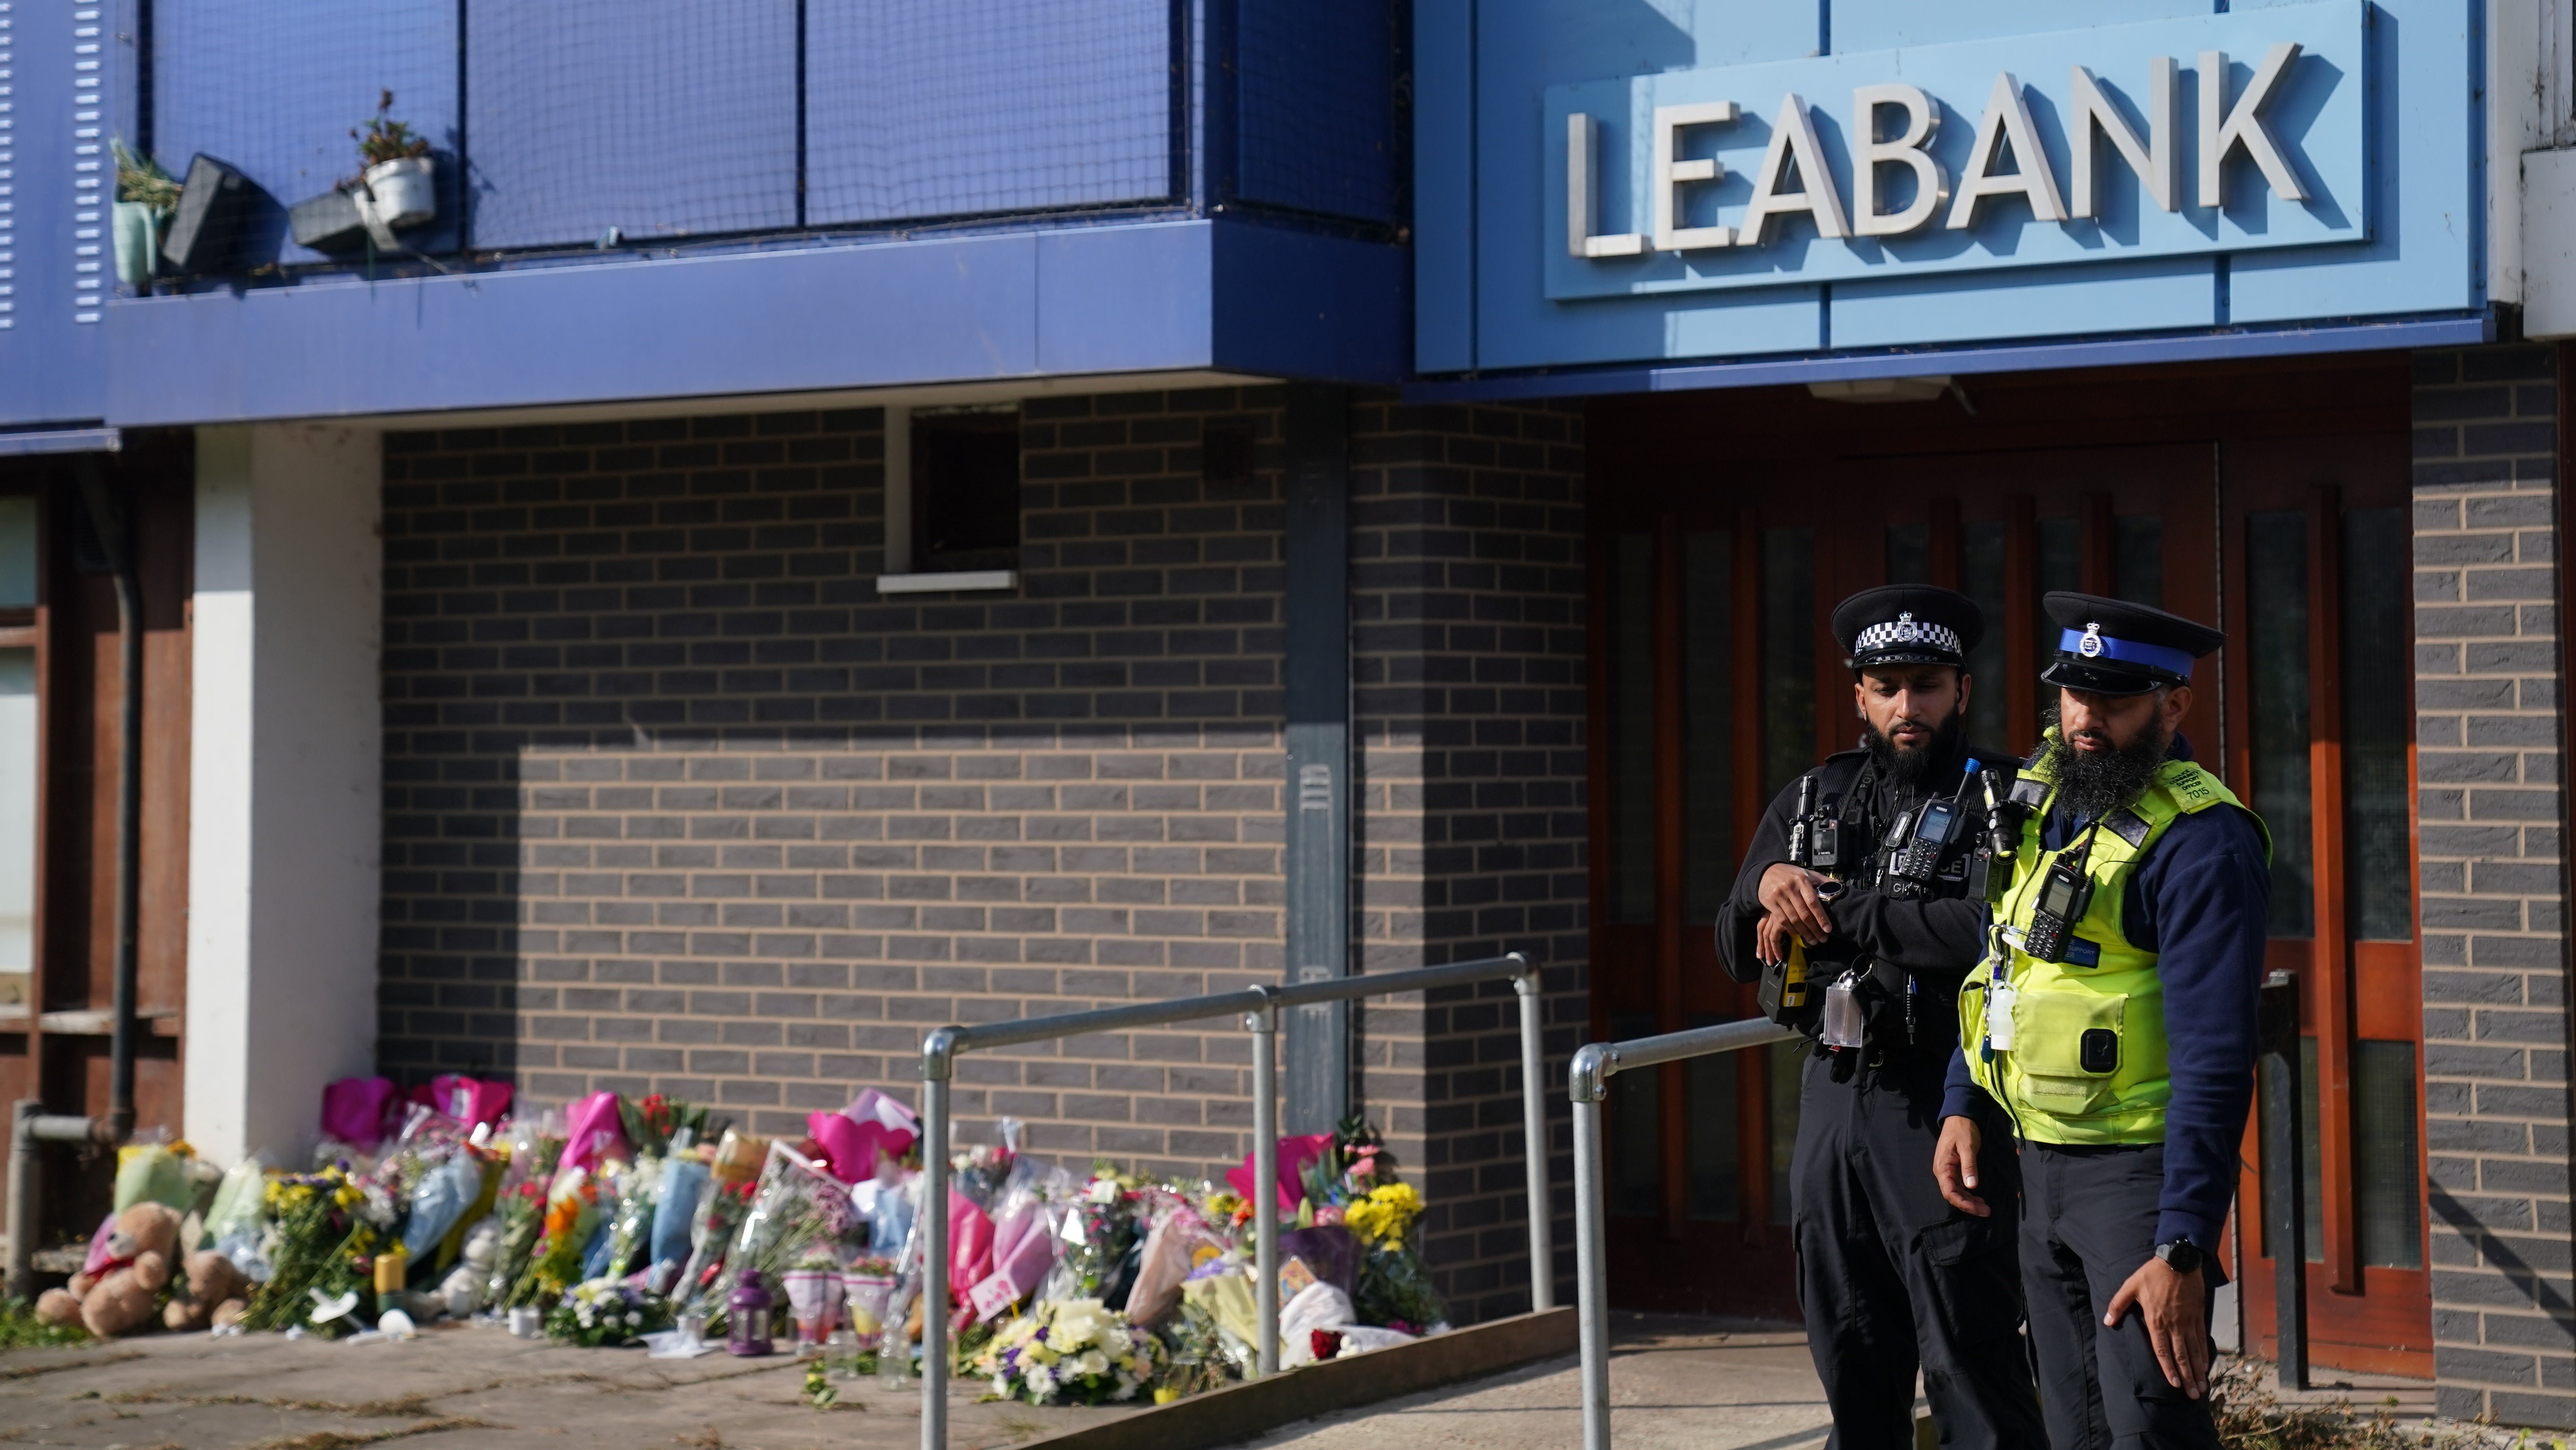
x,y
2007,119
1793,134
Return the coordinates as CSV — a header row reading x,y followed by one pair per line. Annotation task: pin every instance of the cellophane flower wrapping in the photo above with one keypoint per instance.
x,y
797,1206
1074,1351
638,1187
520,1204
605,1313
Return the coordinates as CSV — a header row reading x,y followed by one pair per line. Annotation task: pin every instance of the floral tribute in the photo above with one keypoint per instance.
x,y
616,1220
605,1313
1070,1352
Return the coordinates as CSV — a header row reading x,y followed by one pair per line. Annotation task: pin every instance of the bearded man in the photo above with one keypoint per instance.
x,y
2115,1020
1890,1277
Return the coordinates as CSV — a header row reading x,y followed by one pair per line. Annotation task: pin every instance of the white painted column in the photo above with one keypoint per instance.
x,y
285,817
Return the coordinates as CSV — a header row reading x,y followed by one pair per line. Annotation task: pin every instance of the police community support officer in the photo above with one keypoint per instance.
x,y
1888,1274
2114,1020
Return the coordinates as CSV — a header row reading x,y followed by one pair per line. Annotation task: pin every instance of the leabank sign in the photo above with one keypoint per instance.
x,y
2210,133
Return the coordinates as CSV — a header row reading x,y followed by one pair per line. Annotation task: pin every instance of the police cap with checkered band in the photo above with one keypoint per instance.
x,y
1908,624
2113,647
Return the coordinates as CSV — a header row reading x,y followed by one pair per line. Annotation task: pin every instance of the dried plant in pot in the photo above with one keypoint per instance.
x,y
146,195
399,187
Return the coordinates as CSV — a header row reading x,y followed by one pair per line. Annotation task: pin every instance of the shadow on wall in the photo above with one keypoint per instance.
x,y
675,803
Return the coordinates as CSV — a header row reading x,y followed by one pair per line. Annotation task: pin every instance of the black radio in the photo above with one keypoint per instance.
x,y
2064,894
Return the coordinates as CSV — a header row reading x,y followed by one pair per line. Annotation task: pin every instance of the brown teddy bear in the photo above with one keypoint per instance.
x,y
120,1300
212,1282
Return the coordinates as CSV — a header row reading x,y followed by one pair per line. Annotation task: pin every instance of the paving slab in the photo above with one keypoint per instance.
x,y
1675,1384
465,1386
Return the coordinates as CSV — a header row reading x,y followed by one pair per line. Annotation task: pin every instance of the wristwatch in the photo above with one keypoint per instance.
x,y
1829,890
2180,1255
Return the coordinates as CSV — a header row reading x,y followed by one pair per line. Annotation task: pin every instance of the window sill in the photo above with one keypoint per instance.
x,y
959,582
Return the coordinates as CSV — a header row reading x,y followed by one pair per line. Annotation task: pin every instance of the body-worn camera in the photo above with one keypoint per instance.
x,y
1816,837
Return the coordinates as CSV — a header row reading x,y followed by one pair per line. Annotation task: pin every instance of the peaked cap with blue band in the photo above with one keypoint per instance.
x,y
2113,647
1908,624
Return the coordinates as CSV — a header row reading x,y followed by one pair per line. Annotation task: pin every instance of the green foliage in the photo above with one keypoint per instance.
x,y
140,178
19,1329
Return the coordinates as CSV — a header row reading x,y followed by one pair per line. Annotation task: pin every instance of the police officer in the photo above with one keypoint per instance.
x,y
2114,1020
1889,1276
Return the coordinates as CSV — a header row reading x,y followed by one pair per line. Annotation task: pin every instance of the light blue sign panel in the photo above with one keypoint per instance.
x,y
2312,115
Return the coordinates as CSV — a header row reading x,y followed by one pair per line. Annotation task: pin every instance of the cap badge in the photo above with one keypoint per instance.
x,y
2090,646
1905,629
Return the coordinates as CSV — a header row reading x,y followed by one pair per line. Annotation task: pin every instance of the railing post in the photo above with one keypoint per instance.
x,y
1525,984
2285,1179
937,1063
1263,1024
1587,1082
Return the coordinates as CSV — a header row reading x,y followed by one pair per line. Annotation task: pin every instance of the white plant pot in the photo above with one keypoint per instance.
x,y
405,191
138,242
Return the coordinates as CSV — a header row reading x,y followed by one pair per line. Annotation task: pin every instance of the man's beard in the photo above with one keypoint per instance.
x,y
2094,783
1913,769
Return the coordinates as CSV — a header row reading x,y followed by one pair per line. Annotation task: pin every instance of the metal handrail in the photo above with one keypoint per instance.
x,y
1259,1007
1588,1083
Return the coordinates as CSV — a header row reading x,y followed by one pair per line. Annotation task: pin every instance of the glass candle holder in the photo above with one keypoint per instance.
x,y
747,1315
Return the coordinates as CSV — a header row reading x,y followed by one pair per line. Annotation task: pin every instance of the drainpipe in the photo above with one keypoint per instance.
x,y
109,525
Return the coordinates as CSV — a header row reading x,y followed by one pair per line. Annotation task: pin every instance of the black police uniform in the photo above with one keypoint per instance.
x,y
2091,1215
1889,1275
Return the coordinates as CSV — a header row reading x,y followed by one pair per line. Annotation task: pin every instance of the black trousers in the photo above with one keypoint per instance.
x,y
1890,1277
2088,1222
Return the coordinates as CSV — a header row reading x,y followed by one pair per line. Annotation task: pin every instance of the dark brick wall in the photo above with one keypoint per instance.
x,y
2488,726
1467,538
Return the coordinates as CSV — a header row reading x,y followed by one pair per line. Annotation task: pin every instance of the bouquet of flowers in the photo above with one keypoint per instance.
x,y
323,1233
796,1207
1394,1286
652,1123
571,1214
1100,1231
1070,1351
605,1313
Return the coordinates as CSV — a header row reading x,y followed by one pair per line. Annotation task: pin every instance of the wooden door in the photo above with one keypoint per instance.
x,y
2322,746
1716,682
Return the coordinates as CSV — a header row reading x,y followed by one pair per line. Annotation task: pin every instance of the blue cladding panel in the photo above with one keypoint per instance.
x,y
2426,243
2157,294
1316,80
275,87
976,106
1444,197
53,230
662,118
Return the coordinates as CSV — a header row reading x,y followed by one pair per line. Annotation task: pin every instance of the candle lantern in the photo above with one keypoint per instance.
x,y
748,1314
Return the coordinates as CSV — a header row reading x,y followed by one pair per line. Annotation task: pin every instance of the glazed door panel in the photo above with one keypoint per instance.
x,y
2322,746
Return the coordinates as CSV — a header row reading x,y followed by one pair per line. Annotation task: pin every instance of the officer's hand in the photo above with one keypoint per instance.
x,y
2176,1325
1954,1165
1788,893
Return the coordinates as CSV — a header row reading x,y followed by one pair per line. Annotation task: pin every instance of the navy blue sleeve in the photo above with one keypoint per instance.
x,y
1959,1092
2201,902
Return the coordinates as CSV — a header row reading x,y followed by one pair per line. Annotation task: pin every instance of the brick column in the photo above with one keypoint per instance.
x,y
1467,665
2488,729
